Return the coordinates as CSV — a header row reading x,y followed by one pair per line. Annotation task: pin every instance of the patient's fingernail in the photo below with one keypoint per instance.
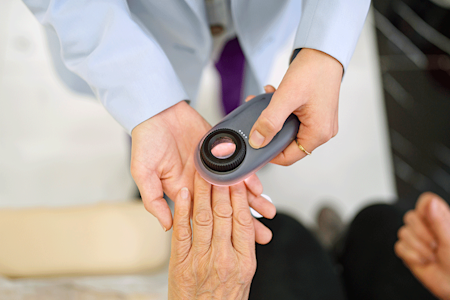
x,y
256,139
184,193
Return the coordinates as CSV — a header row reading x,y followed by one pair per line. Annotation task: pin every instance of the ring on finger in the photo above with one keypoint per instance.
x,y
302,148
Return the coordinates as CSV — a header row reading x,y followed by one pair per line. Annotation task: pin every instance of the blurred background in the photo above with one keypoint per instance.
x,y
62,152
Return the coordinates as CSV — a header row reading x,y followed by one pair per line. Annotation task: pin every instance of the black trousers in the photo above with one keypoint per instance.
x,y
294,265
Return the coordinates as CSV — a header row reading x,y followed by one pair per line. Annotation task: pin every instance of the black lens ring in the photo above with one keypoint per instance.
x,y
227,164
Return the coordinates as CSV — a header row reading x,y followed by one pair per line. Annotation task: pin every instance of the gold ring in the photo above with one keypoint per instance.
x,y
303,149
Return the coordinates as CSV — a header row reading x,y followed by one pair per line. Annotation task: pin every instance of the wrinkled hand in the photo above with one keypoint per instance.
x,y
216,258
424,243
162,161
310,90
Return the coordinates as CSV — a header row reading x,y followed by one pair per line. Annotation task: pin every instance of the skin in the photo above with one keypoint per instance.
x,y
310,90
163,146
162,161
215,258
424,244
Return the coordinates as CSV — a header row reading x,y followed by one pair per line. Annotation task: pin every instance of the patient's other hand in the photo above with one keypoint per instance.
x,y
424,243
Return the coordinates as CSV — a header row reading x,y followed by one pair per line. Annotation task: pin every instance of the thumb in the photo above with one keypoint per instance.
x,y
439,220
270,121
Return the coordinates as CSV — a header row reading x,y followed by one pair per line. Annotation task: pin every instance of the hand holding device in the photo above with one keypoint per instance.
x,y
225,157
309,90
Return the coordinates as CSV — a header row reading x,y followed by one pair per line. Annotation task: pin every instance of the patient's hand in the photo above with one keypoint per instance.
x,y
424,243
216,258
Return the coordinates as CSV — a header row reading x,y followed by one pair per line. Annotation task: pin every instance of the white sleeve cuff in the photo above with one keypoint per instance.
x,y
332,26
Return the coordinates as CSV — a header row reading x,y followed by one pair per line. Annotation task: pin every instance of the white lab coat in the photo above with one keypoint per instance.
x,y
142,56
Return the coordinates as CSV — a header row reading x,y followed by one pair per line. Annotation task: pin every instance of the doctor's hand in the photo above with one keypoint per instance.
x,y
215,259
424,243
310,90
162,161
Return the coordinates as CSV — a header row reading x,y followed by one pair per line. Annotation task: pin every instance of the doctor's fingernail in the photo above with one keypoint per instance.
x,y
184,193
256,139
164,228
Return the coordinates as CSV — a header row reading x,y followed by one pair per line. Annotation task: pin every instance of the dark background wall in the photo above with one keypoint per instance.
x,y
414,47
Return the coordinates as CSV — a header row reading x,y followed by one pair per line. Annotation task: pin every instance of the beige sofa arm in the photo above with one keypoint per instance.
x,y
107,238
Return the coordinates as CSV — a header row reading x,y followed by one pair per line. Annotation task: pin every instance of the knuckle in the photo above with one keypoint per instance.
x,y
225,266
408,218
203,191
245,219
249,270
401,234
148,206
289,162
268,124
335,131
182,212
223,210
203,218
240,190
135,169
398,249
183,233
325,136
224,260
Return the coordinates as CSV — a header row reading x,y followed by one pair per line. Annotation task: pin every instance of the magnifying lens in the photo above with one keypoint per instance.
x,y
224,155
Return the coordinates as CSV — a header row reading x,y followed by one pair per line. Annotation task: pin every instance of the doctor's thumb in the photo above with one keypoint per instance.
x,y
269,123
439,220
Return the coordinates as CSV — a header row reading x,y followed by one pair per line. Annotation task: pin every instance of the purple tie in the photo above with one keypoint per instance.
x,y
231,69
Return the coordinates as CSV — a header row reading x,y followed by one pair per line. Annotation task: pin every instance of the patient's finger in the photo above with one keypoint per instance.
x,y
263,235
202,215
262,206
182,234
254,185
408,255
420,229
222,216
243,235
406,235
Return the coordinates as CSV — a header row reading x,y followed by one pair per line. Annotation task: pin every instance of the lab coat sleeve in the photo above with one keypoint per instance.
x,y
332,26
123,64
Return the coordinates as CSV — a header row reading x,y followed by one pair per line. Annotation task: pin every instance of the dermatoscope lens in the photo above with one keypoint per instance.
x,y
223,147
223,150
